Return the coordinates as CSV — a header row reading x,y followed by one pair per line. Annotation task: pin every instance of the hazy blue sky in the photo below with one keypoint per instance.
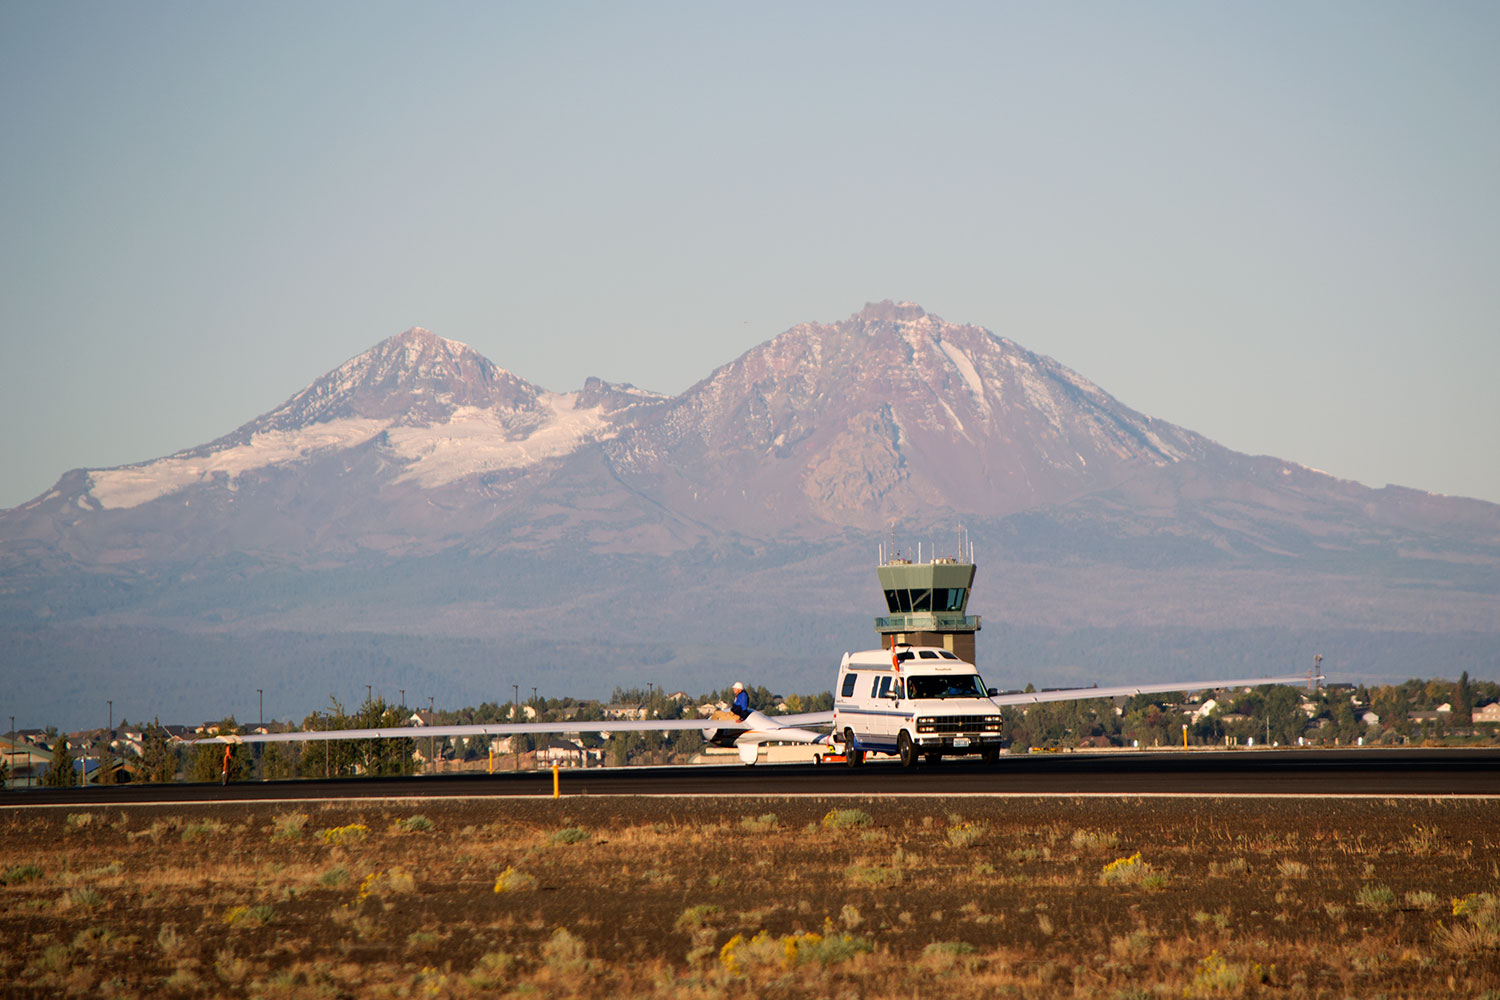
x,y
1277,224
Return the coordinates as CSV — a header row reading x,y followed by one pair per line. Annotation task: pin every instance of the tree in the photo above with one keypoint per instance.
x,y
366,756
158,759
279,761
60,773
1463,701
106,763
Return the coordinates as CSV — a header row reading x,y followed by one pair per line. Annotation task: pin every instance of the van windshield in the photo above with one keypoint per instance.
x,y
959,686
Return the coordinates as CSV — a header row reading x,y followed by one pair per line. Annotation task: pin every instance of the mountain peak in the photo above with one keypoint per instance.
x,y
890,312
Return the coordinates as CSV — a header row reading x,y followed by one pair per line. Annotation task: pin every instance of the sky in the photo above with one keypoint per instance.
x,y
1275,224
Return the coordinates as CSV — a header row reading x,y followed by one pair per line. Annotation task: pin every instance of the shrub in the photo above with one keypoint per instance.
x,y
565,952
386,883
334,877
763,823
1375,897
423,940
698,916
844,819
80,821
741,956
249,916
1095,840
340,836
873,875
966,834
1217,977
570,835
1424,840
511,880
492,971
200,831
288,826
1290,868
172,944
945,956
20,874
1132,871
85,898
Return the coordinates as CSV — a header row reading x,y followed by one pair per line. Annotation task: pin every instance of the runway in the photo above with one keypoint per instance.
x,y
1318,773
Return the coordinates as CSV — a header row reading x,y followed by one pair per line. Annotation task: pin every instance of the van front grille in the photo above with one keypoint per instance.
x,y
958,724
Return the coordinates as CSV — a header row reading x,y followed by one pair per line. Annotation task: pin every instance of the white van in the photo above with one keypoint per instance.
x,y
913,701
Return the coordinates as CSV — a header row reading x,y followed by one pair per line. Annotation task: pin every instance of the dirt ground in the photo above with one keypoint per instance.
x,y
709,897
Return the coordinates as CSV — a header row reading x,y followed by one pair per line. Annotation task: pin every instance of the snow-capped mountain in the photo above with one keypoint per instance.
x,y
892,415
435,410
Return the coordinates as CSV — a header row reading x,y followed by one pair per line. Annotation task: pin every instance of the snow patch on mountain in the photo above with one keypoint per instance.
x,y
476,440
967,370
472,440
134,485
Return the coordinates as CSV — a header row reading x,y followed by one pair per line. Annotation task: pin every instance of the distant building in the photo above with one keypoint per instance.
x,y
1488,714
565,754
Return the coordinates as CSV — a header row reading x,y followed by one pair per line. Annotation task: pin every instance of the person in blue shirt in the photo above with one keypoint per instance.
x,y
741,706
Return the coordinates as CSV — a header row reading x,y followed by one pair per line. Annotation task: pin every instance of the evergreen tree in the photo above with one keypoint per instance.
x,y
158,761
60,774
1463,701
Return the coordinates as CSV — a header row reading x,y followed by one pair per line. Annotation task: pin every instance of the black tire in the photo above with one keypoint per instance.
x,y
933,756
852,757
906,750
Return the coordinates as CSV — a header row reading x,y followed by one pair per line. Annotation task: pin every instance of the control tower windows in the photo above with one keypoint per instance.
x,y
920,601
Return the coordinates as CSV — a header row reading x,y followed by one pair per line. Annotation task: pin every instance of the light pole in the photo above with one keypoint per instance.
x,y
260,760
431,740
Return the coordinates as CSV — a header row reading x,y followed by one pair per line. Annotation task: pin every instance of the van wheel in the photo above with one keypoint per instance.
x,y
852,757
906,750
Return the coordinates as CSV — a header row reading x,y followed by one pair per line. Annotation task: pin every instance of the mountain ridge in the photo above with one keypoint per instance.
x,y
420,491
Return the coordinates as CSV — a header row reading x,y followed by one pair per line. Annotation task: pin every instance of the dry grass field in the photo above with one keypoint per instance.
x,y
1086,897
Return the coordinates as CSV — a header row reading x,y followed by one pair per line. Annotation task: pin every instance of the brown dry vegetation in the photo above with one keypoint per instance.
x,y
769,897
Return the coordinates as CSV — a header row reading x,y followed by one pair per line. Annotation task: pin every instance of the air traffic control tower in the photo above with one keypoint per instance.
x,y
926,602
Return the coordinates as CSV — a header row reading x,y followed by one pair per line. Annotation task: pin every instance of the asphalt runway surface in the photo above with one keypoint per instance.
x,y
1370,772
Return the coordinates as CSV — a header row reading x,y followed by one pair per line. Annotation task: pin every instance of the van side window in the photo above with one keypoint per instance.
x,y
847,691
875,686
885,686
